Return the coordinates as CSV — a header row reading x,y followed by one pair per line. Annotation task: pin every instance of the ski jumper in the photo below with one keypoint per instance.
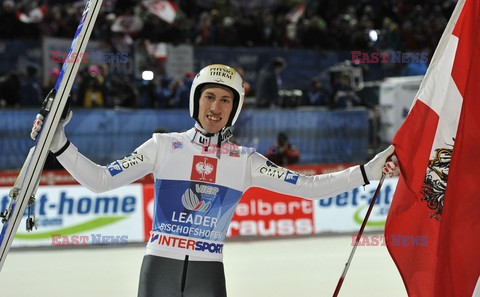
x,y
197,186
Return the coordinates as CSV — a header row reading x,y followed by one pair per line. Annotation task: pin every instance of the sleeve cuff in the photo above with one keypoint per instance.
x,y
64,148
364,175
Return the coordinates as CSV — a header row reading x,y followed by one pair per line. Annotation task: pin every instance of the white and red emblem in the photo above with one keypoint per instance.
x,y
204,169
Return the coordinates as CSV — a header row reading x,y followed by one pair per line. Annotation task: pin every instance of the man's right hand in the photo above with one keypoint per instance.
x,y
59,139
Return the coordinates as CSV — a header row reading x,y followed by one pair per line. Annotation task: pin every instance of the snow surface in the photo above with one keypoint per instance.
x,y
293,267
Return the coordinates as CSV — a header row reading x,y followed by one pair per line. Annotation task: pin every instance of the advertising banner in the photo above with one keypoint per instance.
x,y
72,215
125,214
345,212
264,213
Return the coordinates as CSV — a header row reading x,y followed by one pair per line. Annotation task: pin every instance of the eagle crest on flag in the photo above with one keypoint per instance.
x,y
435,182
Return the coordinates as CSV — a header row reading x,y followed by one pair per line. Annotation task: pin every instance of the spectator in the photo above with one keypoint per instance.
x,y
30,92
165,93
122,92
345,95
269,82
92,89
246,84
284,153
317,95
52,79
10,89
182,96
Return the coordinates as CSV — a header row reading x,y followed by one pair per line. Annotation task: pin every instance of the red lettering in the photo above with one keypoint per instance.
x,y
85,57
164,240
382,240
356,56
375,57
354,239
58,57
65,240
191,245
83,240
225,149
365,241
182,242
384,57
74,240
71,58
55,239
365,58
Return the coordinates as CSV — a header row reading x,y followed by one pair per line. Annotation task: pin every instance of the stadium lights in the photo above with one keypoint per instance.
x,y
147,75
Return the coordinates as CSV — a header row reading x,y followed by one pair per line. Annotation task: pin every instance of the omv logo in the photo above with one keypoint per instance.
x,y
191,202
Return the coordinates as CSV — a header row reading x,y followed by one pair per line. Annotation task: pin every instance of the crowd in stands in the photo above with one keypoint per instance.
x,y
404,25
329,24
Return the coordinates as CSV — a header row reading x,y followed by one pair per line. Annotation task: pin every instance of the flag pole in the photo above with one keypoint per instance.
x,y
359,235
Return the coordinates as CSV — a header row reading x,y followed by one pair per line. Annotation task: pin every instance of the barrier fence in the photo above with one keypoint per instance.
x,y
322,136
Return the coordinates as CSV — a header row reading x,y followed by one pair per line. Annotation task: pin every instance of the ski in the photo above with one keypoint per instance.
x,y
22,195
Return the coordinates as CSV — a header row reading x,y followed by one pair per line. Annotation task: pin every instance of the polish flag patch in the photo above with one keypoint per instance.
x,y
204,169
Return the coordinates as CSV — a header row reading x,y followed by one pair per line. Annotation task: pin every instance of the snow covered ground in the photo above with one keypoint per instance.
x,y
294,267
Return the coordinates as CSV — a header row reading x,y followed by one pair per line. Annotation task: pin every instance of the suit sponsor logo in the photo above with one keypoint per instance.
x,y
114,168
177,144
127,162
291,177
186,243
204,169
191,202
272,170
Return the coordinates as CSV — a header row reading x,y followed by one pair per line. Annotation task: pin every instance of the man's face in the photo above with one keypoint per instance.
x,y
215,107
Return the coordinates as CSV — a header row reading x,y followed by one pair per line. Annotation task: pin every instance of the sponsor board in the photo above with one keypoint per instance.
x,y
264,213
345,212
74,210
129,210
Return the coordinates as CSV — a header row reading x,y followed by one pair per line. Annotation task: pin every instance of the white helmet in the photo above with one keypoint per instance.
x,y
220,75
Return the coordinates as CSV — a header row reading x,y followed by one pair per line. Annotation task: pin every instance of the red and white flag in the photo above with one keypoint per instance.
x,y
294,15
165,10
34,15
438,147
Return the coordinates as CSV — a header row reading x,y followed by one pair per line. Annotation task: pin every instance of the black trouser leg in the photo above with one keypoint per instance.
x,y
164,277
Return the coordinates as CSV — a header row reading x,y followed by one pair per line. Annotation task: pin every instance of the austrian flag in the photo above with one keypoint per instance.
x,y
438,148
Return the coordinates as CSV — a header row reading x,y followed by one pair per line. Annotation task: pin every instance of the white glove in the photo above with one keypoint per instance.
x,y
59,139
379,165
